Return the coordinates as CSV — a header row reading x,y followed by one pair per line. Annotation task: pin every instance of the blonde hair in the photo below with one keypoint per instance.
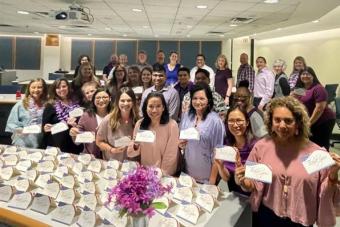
x,y
27,92
225,59
296,108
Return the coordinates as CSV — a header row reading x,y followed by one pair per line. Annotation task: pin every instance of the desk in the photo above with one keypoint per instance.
x,y
26,82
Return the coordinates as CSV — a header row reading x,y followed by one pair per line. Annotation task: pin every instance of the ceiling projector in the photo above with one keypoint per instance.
x,y
75,13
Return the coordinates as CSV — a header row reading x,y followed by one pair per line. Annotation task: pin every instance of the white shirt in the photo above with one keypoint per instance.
x,y
99,119
211,75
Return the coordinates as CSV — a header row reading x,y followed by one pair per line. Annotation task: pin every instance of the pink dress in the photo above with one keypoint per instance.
x,y
304,198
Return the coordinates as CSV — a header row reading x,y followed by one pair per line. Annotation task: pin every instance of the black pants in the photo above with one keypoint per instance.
x,y
321,133
267,218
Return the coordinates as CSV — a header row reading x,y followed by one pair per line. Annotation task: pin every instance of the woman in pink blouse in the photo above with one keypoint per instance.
x,y
163,152
294,198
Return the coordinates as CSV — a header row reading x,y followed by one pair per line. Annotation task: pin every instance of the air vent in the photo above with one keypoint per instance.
x,y
242,20
6,25
215,33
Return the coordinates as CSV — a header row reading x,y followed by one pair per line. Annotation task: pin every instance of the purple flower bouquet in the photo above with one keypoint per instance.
x,y
134,194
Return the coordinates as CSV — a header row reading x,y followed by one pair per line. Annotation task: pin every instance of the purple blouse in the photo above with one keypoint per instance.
x,y
315,94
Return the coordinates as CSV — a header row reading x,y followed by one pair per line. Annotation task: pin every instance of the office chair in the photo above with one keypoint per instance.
x,y
335,137
331,91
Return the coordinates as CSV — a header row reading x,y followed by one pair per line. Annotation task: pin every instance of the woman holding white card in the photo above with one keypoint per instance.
x,y
116,129
294,197
92,118
26,113
57,111
199,153
156,126
240,138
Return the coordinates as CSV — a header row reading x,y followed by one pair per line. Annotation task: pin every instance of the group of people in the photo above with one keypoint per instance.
x,y
172,99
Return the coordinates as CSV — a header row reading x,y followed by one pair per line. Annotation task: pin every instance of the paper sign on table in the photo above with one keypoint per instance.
x,y
205,201
85,158
113,163
31,174
183,194
258,172
35,156
32,129
6,192
137,90
52,190
122,142
225,153
89,200
128,166
42,180
317,161
21,200
52,151
41,203
77,112
95,166
7,172
66,196
64,213
189,134
185,180
189,213
211,190
45,166
22,184
87,218
59,127
85,137
10,160
11,150
61,171
68,181
145,136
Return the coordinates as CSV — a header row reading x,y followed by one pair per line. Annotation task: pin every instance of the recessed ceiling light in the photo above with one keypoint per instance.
x,y
124,35
254,34
271,1
156,36
201,6
108,29
145,26
233,25
315,21
137,10
37,33
221,35
89,34
189,26
279,29
188,36
23,12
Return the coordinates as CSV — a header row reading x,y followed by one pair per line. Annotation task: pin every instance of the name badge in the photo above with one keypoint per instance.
x,y
52,190
145,136
6,173
42,180
64,213
128,166
258,171
189,213
189,134
110,174
87,218
10,160
45,166
21,200
66,196
77,112
31,174
185,180
59,127
41,204
22,185
95,166
85,158
68,181
205,201
32,129
113,164
89,200
61,171
183,194
52,151
317,161
11,150
85,137
35,157
225,153
6,192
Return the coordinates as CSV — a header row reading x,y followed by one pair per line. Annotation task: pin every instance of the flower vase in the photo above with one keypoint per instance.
x,y
139,221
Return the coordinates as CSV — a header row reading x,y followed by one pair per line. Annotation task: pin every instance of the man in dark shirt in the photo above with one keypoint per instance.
x,y
107,69
160,58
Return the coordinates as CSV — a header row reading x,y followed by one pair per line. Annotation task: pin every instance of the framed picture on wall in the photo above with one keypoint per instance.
x,y
52,40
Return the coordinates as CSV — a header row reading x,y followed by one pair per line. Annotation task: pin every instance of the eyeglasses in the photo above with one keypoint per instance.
x,y
102,97
287,121
238,122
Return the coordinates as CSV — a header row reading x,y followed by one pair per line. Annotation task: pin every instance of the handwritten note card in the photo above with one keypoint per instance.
x,y
32,129
258,172
317,161
145,136
225,153
85,137
59,127
189,134
77,112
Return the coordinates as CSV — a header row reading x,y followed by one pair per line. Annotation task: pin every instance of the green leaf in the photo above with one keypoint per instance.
x,y
122,212
158,205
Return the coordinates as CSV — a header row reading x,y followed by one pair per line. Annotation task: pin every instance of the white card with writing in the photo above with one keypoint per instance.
x,y
61,171
85,176
95,166
189,213
30,174
11,150
111,184
258,171
68,181
77,112
185,180
35,156
128,166
22,184
52,190
122,142
89,200
89,187
66,196
52,151
41,203
87,218
78,168
49,158
63,156
21,200
45,166
59,127
183,194
163,200
110,174
22,154
211,189
64,214
137,90
32,129
10,160
6,173
189,134
317,161
69,162
145,136
42,180
113,164
23,165
85,158
205,201
225,153
6,192
164,221
85,137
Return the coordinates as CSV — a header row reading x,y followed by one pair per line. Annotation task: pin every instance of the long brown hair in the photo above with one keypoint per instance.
x,y
27,92
115,115
53,94
78,80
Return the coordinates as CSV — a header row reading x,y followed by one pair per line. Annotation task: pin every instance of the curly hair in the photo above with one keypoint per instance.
x,y
298,110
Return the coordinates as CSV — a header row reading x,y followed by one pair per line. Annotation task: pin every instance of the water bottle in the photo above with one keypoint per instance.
x,y
18,95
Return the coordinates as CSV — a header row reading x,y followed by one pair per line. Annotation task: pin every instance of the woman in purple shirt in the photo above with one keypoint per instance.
x,y
239,136
171,69
223,78
322,118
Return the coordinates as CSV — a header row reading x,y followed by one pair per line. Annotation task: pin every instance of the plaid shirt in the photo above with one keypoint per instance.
x,y
246,72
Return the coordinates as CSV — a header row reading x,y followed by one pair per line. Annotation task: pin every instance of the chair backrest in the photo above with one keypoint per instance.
x,y
331,90
9,89
337,107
